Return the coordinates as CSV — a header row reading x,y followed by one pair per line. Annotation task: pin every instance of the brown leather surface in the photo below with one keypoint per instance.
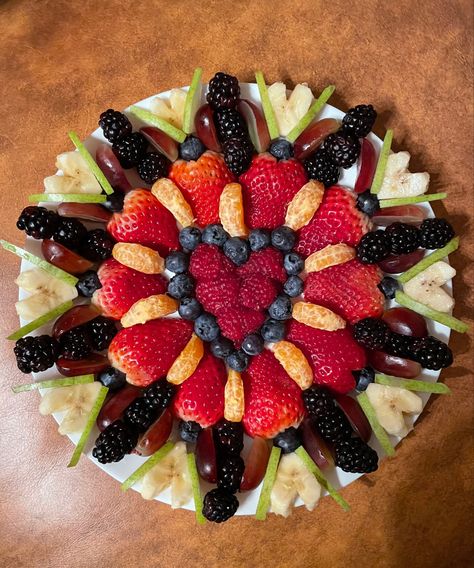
x,y
61,64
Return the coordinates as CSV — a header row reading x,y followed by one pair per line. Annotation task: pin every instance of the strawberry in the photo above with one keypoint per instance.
x,y
201,397
146,352
337,220
268,262
201,183
333,355
349,289
268,186
218,293
123,286
257,291
273,400
146,222
236,323
209,262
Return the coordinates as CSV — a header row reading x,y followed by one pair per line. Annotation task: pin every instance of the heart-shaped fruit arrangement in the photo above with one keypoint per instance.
x,y
238,290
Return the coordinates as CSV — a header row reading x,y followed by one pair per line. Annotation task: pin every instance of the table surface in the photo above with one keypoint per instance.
x,y
62,63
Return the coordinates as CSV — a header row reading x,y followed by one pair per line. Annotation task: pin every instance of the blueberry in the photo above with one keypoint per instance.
x,y
289,440
293,286
259,239
114,201
112,378
215,235
88,283
363,378
206,327
253,344
273,330
190,237
281,149
280,308
180,286
189,308
221,347
177,262
238,361
388,286
189,431
368,203
237,250
283,238
191,149
293,263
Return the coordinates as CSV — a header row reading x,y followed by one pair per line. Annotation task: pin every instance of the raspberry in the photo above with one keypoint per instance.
x,y
257,291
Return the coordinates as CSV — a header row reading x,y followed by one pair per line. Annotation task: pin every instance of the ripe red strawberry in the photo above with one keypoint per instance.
x,y
336,221
145,221
209,262
201,183
236,323
257,291
273,400
268,186
333,355
201,397
123,286
146,352
218,293
268,262
349,289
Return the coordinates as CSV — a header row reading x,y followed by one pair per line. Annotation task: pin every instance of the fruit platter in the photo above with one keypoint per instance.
x,y
234,298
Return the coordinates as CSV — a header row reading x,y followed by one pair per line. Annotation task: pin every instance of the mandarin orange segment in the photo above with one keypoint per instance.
x,y
329,256
304,205
187,361
140,258
146,309
294,362
170,196
317,316
231,210
234,397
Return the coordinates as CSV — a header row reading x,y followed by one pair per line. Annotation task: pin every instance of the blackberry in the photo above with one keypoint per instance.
x,y
359,120
38,222
70,233
101,331
139,415
368,203
223,91
229,474
75,344
402,345
114,124
35,354
342,149
189,431
114,442
281,149
334,426
320,167
88,283
229,437
153,166
355,456
435,233
130,149
238,155
159,394
318,401
289,440
230,124
404,238
373,247
219,505
97,245
372,333
191,149
389,286
433,354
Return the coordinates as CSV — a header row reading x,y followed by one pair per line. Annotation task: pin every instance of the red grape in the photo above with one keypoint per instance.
x,y
394,264
255,464
256,124
93,365
86,211
403,213
355,415
115,405
406,322
391,365
156,435
64,258
315,445
111,168
206,461
312,137
367,165
161,141
205,128
74,317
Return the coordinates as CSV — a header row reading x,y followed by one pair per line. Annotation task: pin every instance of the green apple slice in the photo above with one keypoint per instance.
x,y
411,384
40,263
382,163
427,261
267,106
99,401
193,473
192,102
268,482
377,429
445,319
94,168
55,383
146,466
384,203
313,110
67,198
38,322
150,118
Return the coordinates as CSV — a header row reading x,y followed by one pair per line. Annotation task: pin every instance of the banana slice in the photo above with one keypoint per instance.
x,y
76,178
293,478
399,182
390,403
172,471
288,112
172,109
46,291
76,401
426,287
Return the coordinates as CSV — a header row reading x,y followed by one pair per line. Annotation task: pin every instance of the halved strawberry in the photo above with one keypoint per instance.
x,y
257,291
268,262
146,352
218,293
209,262
237,322
123,286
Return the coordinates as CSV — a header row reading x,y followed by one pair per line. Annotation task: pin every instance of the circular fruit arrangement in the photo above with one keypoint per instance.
x,y
245,295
